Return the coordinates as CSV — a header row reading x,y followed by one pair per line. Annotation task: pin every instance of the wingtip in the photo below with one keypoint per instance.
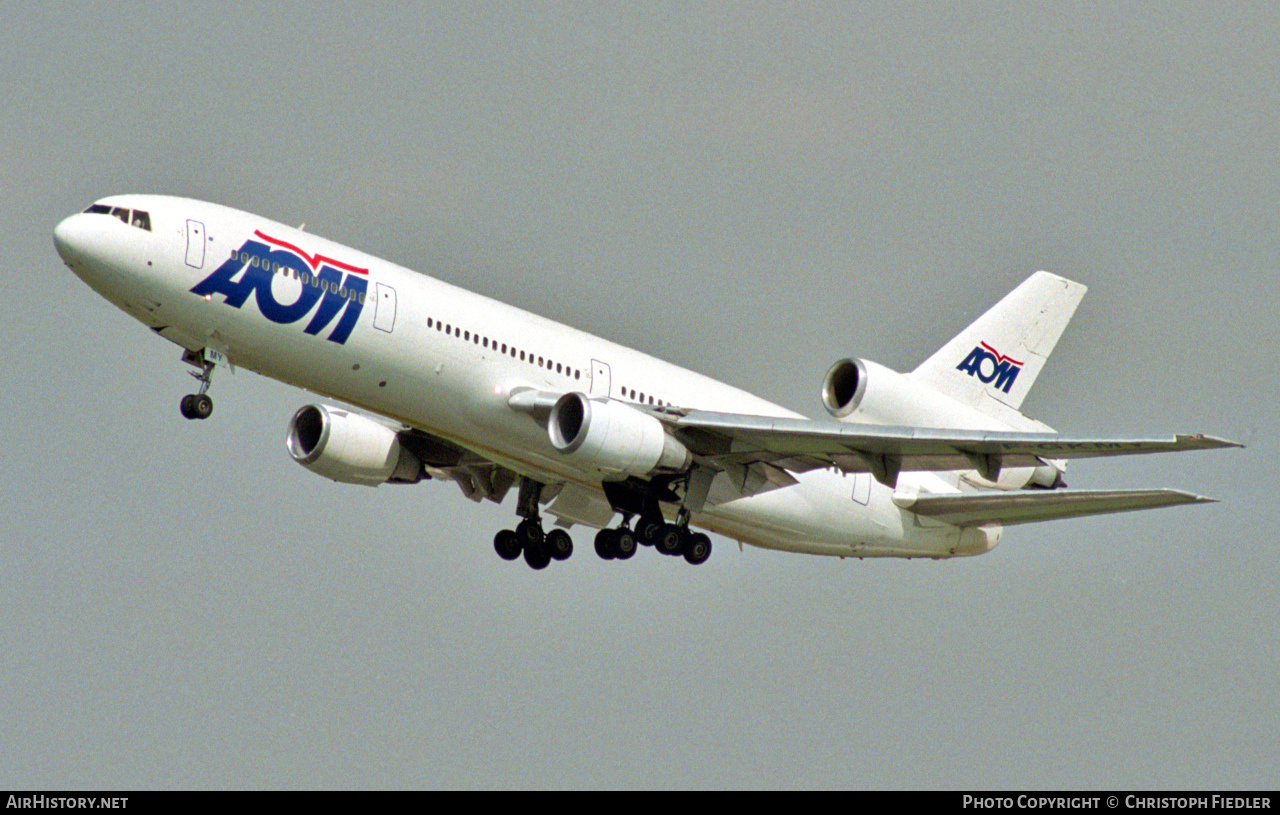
x,y
1200,441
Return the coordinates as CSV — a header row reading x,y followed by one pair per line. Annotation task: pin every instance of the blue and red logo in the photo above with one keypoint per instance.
x,y
991,366
336,286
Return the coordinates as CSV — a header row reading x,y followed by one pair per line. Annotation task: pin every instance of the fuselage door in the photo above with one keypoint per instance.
x,y
384,310
599,378
195,244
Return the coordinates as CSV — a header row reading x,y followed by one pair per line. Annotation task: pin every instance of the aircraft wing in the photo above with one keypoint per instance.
x,y
1028,506
799,445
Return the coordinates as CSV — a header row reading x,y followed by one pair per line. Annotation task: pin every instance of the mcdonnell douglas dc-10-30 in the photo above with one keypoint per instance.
x,y
458,387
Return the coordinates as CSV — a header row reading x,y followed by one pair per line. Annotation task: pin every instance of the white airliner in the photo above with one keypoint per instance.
x,y
933,463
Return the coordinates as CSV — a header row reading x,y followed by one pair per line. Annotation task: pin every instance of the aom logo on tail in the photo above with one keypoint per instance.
x,y
336,286
990,365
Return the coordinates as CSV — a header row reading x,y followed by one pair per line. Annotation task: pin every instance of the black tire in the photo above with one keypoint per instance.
x,y
202,405
530,533
507,545
671,540
697,548
537,556
604,544
647,531
624,544
559,544
188,410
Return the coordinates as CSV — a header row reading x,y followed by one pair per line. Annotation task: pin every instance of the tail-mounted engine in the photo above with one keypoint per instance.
x,y
351,448
613,437
857,390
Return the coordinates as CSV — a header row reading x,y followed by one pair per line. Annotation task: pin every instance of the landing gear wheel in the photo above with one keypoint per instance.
x,y
624,543
537,555
647,531
559,544
604,544
670,540
697,548
196,406
507,545
530,533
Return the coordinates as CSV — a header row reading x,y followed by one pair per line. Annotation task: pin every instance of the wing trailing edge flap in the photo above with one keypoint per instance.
x,y
800,444
1029,506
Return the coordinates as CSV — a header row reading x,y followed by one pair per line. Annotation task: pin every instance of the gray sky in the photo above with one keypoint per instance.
x,y
752,191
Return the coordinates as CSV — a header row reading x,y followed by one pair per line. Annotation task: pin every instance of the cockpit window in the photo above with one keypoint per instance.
x,y
139,218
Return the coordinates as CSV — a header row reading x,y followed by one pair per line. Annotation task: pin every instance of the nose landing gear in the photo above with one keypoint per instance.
x,y
199,405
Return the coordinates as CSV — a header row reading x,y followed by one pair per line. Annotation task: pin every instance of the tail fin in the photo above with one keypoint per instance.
x,y
993,363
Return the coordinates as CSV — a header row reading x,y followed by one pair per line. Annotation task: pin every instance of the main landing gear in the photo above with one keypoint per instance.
x,y
198,405
669,539
540,548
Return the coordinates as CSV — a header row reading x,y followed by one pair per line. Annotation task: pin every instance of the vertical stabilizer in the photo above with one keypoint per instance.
x,y
993,363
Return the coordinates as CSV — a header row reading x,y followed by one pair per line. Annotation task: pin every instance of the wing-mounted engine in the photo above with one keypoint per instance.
x,y
351,448
613,438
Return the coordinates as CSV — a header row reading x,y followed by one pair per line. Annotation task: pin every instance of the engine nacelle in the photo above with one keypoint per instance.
x,y
857,390
351,448
613,438
880,395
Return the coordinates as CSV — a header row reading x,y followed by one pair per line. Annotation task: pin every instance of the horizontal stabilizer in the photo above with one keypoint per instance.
x,y
1028,506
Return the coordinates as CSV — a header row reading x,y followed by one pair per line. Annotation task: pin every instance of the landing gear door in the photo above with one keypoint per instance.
x,y
862,488
599,378
384,310
195,244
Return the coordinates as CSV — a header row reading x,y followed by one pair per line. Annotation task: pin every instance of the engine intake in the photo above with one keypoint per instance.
x,y
858,390
844,386
350,448
613,437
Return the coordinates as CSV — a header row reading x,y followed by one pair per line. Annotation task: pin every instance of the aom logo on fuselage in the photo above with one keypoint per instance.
x,y
989,365
336,286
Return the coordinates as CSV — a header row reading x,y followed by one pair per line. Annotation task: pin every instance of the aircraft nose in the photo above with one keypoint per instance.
x,y
71,239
